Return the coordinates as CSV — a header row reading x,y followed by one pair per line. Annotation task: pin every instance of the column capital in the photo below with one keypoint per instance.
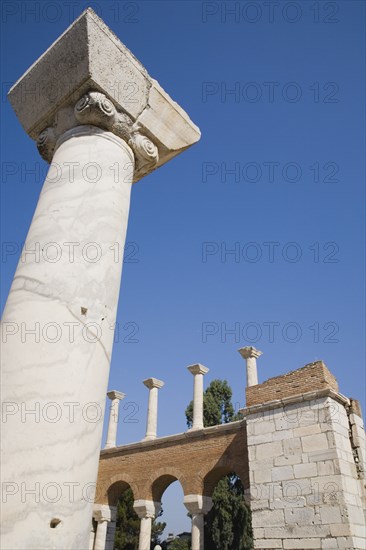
x,y
147,508
153,383
114,394
198,369
102,512
89,77
249,352
198,504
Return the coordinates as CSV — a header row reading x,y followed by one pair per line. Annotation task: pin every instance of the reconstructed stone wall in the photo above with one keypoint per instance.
x,y
305,487
312,377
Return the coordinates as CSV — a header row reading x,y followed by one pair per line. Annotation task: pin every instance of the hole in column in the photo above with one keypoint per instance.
x,y
84,310
54,523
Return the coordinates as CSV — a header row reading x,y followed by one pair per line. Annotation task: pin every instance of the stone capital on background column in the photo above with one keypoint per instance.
x,y
249,352
198,369
102,512
147,508
198,504
88,77
153,383
114,394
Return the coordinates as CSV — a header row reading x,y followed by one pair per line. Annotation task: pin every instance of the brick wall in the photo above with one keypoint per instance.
x,y
312,377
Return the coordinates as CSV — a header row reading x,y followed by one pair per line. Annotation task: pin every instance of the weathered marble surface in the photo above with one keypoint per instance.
x,y
68,363
98,139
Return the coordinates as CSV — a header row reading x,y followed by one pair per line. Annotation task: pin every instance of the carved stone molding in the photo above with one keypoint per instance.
x,y
96,109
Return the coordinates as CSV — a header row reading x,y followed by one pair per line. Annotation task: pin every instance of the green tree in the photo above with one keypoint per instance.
x,y
128,525
179,544
228,524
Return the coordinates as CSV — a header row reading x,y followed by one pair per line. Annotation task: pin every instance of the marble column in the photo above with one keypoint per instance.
x,y
198,506
251,355
152,409
115,397
59,319
198,371
146,510
102,516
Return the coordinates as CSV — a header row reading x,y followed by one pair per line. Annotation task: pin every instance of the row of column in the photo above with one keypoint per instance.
x,y
104,517
250,355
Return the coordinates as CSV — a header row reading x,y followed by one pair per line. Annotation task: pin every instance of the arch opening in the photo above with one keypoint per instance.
x,y
228,525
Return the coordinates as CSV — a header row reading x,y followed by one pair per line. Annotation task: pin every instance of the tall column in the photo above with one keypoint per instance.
x,y
198,371
251,355
198,506
146,510
152,409
115,397
102,122
102,516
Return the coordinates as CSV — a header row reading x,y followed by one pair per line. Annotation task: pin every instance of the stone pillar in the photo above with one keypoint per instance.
x,y
198,371
305,487
102,516
251,355
75,101
146,510
152,409
115,397
198,506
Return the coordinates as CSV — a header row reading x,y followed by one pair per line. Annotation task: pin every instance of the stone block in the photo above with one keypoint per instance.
x,y
312,429
330,514
282,473
317,442
268,543
268,518
330,544
299,516
305,470
325,467
292,446
287,460
262,476
266,450
302,544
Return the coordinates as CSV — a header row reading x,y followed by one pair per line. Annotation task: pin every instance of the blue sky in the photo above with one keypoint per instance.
x,y
278,178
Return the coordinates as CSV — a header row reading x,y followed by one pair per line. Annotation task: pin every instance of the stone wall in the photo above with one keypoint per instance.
x,y
305,488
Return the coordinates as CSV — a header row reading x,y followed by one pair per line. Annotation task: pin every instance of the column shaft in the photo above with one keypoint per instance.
x,y
152,414
197,532
145,533
61,313
252,373
101,535
198,402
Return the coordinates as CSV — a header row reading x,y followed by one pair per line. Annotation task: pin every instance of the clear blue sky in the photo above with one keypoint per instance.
x,y
293,133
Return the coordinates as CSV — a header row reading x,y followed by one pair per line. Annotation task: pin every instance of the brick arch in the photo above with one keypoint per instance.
x,y
218,472
149,467
164,477
115,486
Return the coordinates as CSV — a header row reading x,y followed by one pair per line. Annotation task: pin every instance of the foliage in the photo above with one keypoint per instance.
x,y
179,544
228,524
217,405
128,525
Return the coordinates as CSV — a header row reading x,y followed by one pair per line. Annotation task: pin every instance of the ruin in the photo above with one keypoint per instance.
x,y
300,448
299,452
